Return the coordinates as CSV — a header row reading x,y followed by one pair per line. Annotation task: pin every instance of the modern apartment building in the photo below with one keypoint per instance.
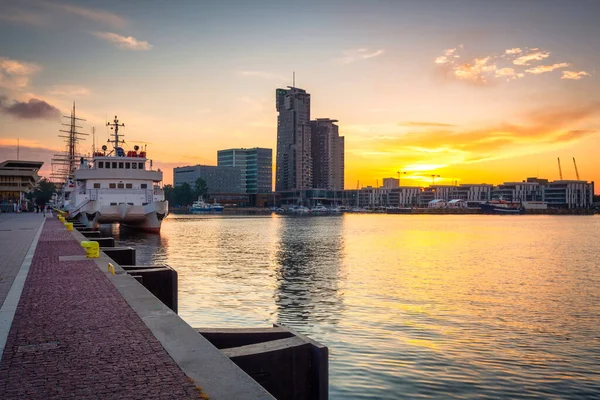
x,y
256,167
327,154
218,179
17,179
391,183
294,151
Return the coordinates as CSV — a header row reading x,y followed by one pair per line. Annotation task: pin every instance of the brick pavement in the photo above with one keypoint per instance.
x,y
16,234
74,336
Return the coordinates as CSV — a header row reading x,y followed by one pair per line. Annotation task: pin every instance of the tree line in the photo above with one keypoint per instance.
x,y
184,194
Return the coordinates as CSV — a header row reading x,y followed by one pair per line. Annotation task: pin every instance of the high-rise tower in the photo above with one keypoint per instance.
x,y
327,154
294,158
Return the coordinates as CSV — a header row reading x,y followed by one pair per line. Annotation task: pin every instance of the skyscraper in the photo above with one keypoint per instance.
x,y
327,154
256,167
294,159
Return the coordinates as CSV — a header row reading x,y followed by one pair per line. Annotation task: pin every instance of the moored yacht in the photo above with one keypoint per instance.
x,y
117,186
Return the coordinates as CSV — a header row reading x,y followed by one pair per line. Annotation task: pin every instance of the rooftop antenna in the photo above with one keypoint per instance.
x,y
93,140
294,79
18,149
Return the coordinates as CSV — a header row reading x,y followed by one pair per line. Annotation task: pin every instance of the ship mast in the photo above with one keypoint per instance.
x,y
116,141
67,162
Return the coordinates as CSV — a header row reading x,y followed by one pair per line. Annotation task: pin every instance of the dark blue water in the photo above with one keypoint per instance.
x,y
409,306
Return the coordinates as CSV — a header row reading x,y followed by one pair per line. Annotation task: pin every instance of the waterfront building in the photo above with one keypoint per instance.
x,y
17,179
519,191
294,151
256,166
469,192
404,196
569,194
327,154
218,179
391,183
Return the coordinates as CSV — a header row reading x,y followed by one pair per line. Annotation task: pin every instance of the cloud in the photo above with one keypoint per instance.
x,y
533,132
514,50
508,73
33,109
23,17
484,70
475,70
532,56
261,74
104,17
424,124
540,69
69,91
15,74
574,75
124,42
353,55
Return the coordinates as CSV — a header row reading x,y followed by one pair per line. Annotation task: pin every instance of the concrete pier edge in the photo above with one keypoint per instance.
x,y
210,369
7,312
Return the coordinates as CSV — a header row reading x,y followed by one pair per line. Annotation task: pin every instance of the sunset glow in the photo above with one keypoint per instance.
x,y
478,93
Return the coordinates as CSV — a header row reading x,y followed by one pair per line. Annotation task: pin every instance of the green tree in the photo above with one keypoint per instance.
x,y
42,194
183,194
200,188
168,189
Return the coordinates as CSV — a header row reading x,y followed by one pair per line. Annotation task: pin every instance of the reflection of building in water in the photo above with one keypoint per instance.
x,y
309,257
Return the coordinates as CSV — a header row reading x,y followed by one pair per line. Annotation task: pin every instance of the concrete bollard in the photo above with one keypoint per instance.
x,y
92,250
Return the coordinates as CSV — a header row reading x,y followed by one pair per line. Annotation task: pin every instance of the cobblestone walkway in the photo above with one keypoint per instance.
x,y
74,336
16,234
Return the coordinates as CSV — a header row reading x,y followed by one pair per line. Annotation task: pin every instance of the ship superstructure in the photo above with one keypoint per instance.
x,y
117,186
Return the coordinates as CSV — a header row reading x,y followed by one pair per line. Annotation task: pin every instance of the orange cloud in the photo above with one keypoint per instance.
x,y
574,75
124,42
15,74
423,124
540,69
535,55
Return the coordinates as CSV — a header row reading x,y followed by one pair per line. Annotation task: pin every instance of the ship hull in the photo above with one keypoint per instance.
x,y
147,217
494,209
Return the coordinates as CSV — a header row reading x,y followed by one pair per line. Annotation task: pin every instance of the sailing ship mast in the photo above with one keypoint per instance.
x,y
65,164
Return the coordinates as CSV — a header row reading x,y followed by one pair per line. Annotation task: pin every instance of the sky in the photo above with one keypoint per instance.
x,y
472,91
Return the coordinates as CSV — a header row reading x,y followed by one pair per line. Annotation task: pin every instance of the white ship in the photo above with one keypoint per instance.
x,y
117,187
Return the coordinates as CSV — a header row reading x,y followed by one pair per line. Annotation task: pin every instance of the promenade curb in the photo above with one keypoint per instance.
x,y
7,312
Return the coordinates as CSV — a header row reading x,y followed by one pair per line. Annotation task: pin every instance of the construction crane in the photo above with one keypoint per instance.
x,y
560,169
576,171
433,178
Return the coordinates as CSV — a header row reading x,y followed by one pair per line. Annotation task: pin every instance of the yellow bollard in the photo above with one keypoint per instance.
x,y
111,268
69,226
92,250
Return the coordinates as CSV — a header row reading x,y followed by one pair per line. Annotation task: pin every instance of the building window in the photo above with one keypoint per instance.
x,y
114,164
144,186
100,164
129,186
127,165
96,186
121,165
112,185
121,186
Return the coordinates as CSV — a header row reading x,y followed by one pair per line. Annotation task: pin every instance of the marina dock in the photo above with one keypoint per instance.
x,y
70,328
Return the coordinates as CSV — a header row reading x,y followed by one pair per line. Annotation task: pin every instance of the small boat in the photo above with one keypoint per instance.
x,y
201,206
502,207
320,208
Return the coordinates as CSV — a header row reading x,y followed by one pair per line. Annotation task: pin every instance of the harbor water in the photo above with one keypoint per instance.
x,y
410,306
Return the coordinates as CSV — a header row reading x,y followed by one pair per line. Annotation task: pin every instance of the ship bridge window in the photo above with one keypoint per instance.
x,y
134,165
107,165
100,164
112,185
144,186
141,165
121,165
127,165
129,186
96,186
121,186
114,164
